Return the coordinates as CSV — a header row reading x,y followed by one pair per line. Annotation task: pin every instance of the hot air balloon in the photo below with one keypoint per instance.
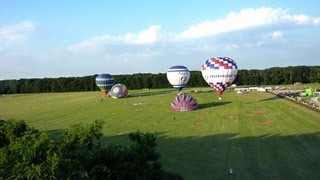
x,y
219,73
118,91
184,102
178,77
104,82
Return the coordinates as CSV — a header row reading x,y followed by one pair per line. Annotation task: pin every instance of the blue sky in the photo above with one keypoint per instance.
x,y
78,38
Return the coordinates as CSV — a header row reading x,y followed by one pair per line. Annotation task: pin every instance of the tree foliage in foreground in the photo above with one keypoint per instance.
x,y
26,153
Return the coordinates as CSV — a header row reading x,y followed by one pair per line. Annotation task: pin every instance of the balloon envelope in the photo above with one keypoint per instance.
x,y
104,82
219,73
118,91
178,77
184,102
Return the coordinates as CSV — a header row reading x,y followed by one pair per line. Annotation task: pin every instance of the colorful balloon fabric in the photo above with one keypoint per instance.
x,y
118,91
104,82
178,77
184,102
219,73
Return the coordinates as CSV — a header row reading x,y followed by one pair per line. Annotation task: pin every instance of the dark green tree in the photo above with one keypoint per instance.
x,y
26,153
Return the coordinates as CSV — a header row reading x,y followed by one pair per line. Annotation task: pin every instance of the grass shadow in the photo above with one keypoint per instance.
x,y
271,98
276,97
213,104
267,156
55,133
150,93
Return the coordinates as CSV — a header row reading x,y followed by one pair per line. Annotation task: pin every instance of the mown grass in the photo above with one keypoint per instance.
x,y
259,135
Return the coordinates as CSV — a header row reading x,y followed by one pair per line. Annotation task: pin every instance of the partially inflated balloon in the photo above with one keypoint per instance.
x,y
118,91
219,73
184,102
178,76
104,82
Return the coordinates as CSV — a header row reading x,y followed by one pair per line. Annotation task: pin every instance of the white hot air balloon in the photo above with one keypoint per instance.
x,y
178,76
219,73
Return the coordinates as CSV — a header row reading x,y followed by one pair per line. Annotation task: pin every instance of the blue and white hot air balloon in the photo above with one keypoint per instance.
x,y
178,77
104,82
219,73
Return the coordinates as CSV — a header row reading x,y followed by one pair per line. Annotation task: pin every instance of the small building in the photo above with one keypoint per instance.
x,y
268,88
253,88
279,88
261,89
241,89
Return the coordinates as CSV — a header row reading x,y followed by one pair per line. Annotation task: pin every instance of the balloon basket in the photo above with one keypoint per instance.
x,y
104,93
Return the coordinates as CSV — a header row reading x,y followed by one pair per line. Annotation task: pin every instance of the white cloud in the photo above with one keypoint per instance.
x,y
152,41
252,34
233,21
246,18
16,32
149,35
231,47
125,60
300,19
316,21
277,35
91,44
273,38
146,36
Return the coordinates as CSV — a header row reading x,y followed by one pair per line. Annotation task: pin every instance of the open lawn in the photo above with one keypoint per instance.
x,y
259,135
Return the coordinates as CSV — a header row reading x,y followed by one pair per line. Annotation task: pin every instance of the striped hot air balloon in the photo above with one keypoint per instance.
x,y
178,77
219,73
104,82
118,91
184,102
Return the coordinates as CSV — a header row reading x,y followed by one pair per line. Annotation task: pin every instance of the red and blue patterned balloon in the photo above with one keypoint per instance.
x,y
184,102
219,73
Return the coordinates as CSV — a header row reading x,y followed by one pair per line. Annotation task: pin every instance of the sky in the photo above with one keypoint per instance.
x,y
60,38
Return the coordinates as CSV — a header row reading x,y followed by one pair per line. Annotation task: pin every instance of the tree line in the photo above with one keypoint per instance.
x,y
270,76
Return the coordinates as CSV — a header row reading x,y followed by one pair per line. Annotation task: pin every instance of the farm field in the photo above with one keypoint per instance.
x,y
259,135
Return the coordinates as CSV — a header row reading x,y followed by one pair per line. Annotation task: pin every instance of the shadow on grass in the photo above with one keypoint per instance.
x,y
268,156
213,104
55,133
271,98
258,157
267,99
151,93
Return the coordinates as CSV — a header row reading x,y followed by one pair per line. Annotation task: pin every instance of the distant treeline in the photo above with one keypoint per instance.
x,y
275,76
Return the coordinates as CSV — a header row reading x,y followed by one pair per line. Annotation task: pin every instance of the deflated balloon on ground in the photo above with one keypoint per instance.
x,y
118,91
184,102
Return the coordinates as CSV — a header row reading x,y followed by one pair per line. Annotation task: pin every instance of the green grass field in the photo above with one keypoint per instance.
x,y
259,135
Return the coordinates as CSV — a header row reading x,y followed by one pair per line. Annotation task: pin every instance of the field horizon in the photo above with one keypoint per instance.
x,y
258,135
